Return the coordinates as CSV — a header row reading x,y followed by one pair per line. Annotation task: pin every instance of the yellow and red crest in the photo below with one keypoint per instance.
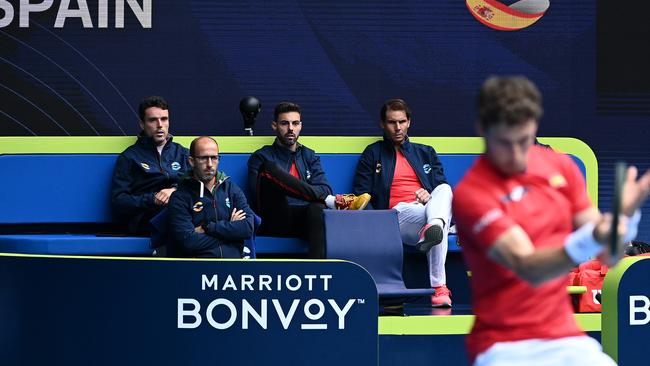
x,y
499,16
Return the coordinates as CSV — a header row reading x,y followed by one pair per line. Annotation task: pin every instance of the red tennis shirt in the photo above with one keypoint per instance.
x,y
294,170
405,181
543,201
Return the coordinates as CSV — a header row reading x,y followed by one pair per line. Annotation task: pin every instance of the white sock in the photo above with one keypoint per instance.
x,y
330,202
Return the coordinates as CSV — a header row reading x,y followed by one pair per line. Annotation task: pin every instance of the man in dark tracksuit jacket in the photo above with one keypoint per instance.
x,y
307,164
409,178
377,167
289,187
208,214
147,172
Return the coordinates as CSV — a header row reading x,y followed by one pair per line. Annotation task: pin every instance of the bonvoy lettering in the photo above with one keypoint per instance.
x,y
223,313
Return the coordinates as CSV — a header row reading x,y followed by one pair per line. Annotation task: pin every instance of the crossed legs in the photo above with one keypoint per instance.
x,y
413,216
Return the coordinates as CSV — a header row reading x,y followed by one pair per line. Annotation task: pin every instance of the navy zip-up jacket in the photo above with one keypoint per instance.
x,y
376,169
188,210
140,172
307,163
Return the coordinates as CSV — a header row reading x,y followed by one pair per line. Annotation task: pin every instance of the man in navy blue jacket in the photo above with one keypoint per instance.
x,y
409,178
147,172
289,187
208,214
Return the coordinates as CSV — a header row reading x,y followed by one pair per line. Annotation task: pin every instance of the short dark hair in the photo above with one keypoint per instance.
x,y
195,142
512,100
394,105
285,107
152,101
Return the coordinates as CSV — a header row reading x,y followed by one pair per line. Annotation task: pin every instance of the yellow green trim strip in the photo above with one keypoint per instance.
x,y
576,290
322,144
582,151
609,337
425,325
589,322
455,324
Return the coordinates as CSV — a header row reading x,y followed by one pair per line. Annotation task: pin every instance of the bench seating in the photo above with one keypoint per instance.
x,y
77,191
74,244
42,189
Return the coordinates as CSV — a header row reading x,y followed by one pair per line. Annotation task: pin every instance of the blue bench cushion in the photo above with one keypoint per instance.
x,y
78,186
70,188
84,244
271,245
72,244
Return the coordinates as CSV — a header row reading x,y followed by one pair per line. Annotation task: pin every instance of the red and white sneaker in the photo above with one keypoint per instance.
x,y
430,236
442,297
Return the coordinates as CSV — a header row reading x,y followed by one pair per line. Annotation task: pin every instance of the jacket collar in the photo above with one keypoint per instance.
x,y
278,146
147,141
406,145
195,185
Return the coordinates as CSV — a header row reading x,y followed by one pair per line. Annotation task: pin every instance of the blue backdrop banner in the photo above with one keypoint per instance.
x,y
81,67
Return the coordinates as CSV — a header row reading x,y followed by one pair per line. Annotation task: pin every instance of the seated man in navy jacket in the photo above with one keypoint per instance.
x,y
208,214
289,187
409,178
147,172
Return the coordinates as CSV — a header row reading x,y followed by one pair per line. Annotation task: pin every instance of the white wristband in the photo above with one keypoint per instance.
x,y
632,226
581,246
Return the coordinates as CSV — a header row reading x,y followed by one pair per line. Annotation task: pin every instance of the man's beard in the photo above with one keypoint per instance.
x,y
206,177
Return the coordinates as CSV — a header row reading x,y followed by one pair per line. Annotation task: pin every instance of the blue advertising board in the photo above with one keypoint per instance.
x,y
107,311
626,311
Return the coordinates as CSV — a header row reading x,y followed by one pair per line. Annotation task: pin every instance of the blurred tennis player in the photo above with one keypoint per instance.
x,y
524,218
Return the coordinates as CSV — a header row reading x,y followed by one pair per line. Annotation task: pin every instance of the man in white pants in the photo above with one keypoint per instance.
x,y
409,178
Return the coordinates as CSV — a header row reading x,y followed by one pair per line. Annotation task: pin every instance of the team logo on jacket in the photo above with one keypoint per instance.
x,y
426,168
176,166
145,166
198,207
307,174
378,168
496,14
515,195
227,202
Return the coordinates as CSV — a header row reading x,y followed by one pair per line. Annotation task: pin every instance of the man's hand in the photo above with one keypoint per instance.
x,y
602,234
162,197
635,192
199,229
422,196
237,215
603,229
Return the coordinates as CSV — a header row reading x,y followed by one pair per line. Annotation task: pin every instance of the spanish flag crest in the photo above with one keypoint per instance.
x,y
495,14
